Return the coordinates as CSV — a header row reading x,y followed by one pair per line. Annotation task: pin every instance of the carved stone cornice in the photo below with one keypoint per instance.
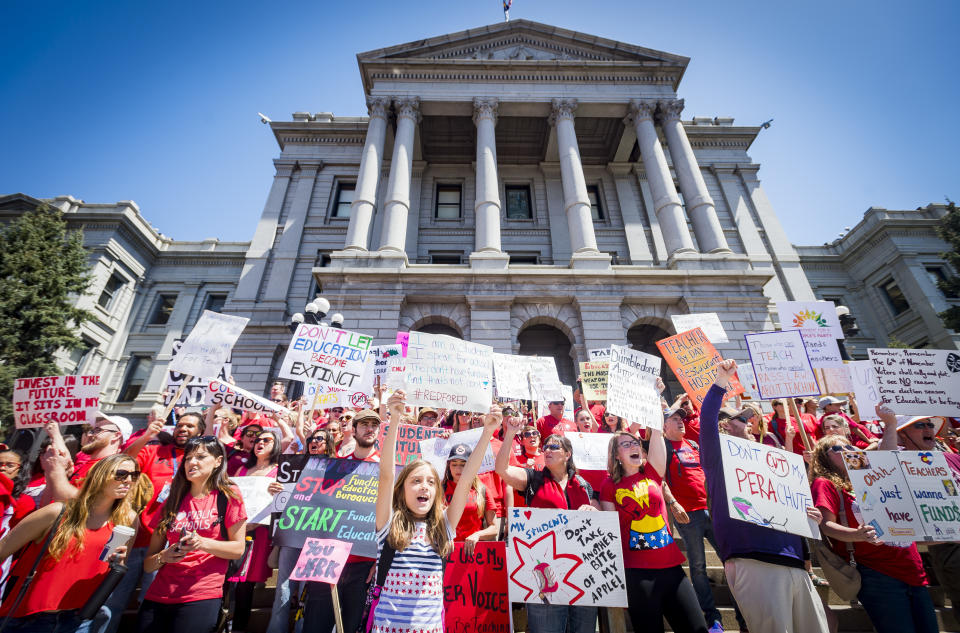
x,y
563,110
670,109
485,108
378,107
407,108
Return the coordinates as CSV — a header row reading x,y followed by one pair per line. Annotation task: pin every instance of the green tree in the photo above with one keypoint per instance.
x,y
949,230
43,269
894,343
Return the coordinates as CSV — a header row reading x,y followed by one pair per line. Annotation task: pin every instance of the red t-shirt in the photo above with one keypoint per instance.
x,y
644,525
902,563
691,427
81,466
549,494
778,427
471,521
159,463
199,575
523,460
548,425
686,478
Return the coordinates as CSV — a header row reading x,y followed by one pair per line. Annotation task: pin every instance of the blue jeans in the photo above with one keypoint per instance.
x,y
558,618
700,527
280,614
895,606
108,618
49,622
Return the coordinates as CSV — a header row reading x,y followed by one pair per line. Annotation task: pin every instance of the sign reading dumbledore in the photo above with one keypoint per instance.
x,y
209,344
326,355
766,485
443,371
631,387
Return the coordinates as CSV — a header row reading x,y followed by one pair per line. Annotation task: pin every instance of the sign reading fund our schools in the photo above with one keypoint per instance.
x,y
766,485
326,355
443,371
918,381
780,365
333,498
209,344
61,399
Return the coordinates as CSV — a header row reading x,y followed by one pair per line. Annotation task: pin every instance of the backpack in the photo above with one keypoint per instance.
x,y
671,453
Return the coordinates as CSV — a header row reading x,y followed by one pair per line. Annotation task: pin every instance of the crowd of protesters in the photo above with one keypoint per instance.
x,y
171,483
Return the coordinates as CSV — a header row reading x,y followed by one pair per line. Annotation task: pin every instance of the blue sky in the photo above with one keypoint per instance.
x,y
157,102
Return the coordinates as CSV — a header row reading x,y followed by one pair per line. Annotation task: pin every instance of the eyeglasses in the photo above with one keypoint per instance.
x,y
629,444
531,434
10,465
123,475
925,425
98,430
837,448
263,440
552,447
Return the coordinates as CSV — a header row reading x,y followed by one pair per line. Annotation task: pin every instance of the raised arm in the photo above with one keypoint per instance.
x,y
513,476
152,430
31,528
388,460
657,453
491,422
889,441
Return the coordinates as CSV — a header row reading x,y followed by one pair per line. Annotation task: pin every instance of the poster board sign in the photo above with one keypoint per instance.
x,y
837,381
766,486
809,315
475,590
590,449
326,355
567,395
194,393
565,557
321,560
593,378
333,498
884,498
749,381
918,381
780,365
709,322
257,501
512,375
600,354
934,492
822,348
288,474
62,399
694,360
409,437
208,346
222,394
330,397
436,450
388,365
632,387
448,373
866,387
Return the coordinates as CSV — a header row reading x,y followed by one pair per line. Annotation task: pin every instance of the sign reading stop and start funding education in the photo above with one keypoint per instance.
x,y
446,372
780,365
326,355
321,560
766,486
918,381
61,399
209,344
694,360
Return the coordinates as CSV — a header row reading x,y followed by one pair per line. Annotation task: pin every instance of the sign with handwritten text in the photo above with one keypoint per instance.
x,y
837,380
593,378
195,391
409,437
709,322
866,387
446,372
809,315
822,348
632,387
475,590
321,560
257,501
326,355
780,365
589,449
600,354
934,492
222,394
918,381
209,344
694,360
512,374
62,399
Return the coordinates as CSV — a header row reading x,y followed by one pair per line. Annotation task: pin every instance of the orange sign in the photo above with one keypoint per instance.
x,y
694,359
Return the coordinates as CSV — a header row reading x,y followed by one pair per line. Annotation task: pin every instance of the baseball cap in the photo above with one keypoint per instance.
x,y
122,424
828,400
460,451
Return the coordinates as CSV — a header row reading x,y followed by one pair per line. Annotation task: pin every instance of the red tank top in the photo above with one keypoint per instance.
x,y
64,584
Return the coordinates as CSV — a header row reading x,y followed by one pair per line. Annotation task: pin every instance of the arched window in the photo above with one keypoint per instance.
x,y
546,340
644,338
438,328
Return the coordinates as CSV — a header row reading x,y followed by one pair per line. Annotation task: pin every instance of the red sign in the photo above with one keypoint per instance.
x,y
475,598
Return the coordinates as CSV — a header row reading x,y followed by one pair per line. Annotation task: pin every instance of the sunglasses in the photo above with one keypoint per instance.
x,y
837,448
251,434
428,416
740,419
263,440
552,447
123,475
531,434
925,425
317,440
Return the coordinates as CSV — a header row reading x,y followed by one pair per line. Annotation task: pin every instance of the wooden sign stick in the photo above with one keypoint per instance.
x,y
176,396
338,617
803,432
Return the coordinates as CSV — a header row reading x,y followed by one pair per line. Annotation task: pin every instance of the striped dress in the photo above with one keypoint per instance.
x,y
412,596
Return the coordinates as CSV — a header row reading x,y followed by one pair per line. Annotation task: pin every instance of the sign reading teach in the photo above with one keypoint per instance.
x,y
780,365
326,355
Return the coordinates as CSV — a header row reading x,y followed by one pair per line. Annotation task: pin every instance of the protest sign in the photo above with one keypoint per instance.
x,y
694,360
329,397
62,399
326,355
837,380
600,354
388,365
257,501
333,498
709,322
446,372
589,449
780,365
918,381
632,387
475,590
934,492
865,387
209,344
436,450
513,374
566,557
321,560
223,394
402,339
822,348
195,391
809,315
593,378
564,392
766,486
749,381
409,437
882,493
288,474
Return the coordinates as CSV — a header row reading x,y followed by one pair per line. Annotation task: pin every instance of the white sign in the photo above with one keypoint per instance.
x,y
866,388
327,355
566,393
223,394
934,492
257,501
918,381
386,359
748,380
882,496
330,397
194,393
209,344
809,314
632,387
512,374
837,380
709,322
822,348
436,450
446,372
589,449
565,557
766,486
780,365
600,354
62,399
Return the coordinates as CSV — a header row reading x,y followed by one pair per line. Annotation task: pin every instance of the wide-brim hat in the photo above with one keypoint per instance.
x,y
903,421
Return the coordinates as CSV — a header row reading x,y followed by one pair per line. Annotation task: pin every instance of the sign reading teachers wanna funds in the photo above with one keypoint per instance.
x,y
326,355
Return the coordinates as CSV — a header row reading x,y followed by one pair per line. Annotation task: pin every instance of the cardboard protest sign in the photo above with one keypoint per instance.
x,y
61,399
257,501
918,381
766,486
512,374
780,365
749,381
475,590
333,498
321,560
866,387
934,492
631,387
545,389
600,354
436,450
882,493
809,315
388,365
589,449
566,557
222,394
837,380
822,348
593,378
326,355
330,397
694,360
195,392
446,372
409,437
288,474
209,344
709,322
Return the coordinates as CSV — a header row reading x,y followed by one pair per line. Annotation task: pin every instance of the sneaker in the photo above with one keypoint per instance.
x,y
716,627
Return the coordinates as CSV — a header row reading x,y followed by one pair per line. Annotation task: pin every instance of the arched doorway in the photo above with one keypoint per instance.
x,y
644,338
438,328
546,340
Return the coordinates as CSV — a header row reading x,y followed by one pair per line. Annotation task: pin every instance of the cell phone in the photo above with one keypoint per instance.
x,y
183,536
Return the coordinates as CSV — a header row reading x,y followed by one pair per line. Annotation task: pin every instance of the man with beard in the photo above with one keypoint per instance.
x,y
102,439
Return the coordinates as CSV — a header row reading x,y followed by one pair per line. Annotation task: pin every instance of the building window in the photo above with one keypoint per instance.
x,y
518,202
323,259
898,302
524,258
111,291
448,202
446,257
215,303
937,275
596,209
162,309
78,356
138,370
341,206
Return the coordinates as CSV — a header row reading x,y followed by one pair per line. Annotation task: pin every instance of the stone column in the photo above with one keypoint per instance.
x,y
700,205
666,202
488,251
397,205
287,247
364,198
576,203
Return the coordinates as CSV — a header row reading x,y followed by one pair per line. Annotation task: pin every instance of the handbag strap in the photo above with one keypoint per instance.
x,y
844,523
384,562
33,570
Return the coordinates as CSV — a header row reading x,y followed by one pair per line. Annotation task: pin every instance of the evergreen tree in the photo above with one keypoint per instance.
x,y
949,230
43,269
